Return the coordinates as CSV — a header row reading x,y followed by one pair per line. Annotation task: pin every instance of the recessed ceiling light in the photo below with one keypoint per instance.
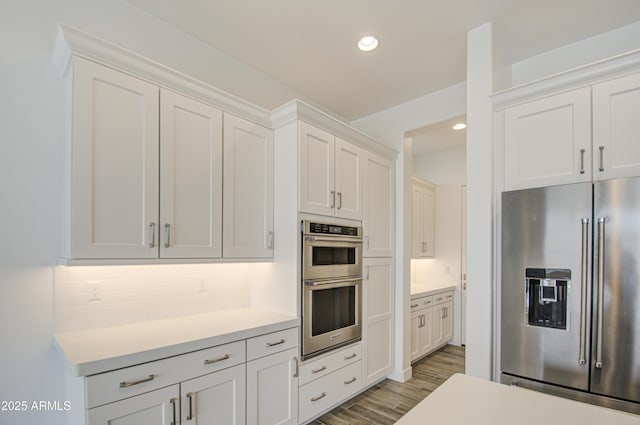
x,y
459,126
368,43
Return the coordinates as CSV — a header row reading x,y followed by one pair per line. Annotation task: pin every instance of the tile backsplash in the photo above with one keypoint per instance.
x,y
99,296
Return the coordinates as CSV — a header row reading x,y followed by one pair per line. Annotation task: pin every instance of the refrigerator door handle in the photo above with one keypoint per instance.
x,y
600,277
582,360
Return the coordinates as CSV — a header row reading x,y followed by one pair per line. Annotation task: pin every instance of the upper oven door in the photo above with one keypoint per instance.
x,y
326,257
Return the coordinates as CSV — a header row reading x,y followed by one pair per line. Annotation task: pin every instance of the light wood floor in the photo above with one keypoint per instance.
x,y
388,401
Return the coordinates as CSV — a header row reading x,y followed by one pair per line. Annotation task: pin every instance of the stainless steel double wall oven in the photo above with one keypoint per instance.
x,y
331,286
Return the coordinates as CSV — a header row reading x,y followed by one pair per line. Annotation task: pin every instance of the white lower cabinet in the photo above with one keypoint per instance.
x,y
431,323
159,407
272,389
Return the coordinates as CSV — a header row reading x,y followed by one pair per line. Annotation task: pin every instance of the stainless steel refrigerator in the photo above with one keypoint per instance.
x,y
570,291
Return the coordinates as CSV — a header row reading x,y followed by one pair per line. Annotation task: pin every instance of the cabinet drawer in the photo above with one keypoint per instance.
x,y
275,342
441,298
322,366
323,393
422,302
130,381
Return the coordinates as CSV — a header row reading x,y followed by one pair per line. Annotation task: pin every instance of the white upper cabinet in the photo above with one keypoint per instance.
x,y
190,178
248,189
330,174
114,157
548,141
422,218
378,206
616,128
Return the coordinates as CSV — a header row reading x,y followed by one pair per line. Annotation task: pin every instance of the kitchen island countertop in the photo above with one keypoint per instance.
x,y
99,350
464,399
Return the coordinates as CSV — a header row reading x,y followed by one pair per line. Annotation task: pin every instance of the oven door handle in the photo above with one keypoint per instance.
x,y
336,239
332,282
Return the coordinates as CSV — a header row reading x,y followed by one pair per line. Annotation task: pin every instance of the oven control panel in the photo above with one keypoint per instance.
x,y
331,229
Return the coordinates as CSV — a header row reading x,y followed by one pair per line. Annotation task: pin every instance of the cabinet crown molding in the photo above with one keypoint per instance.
x,y
582,76
298,110
72,42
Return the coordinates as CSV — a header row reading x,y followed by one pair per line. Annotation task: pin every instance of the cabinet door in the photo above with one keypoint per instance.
x,y
215,399
438,324
422,219
447,324
548,141
377,313
316,169
429,227
426,339
190,178
416,324
114,176
248,189
348,180
272,389
159,407
378,204
616,128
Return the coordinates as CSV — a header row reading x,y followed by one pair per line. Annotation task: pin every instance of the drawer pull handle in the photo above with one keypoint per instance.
x,y
319,370
351,381
439,299
321,396
273,344
414,305
350,357
125,384
212,361
190,415
173,402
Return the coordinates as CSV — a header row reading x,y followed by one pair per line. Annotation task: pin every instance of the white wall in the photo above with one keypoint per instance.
x,y
31,171
443,167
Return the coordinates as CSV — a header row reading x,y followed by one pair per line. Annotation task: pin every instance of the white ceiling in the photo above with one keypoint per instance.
x,y
310,46
438,137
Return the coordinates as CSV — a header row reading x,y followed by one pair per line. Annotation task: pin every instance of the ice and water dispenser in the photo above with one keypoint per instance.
x,y
546,297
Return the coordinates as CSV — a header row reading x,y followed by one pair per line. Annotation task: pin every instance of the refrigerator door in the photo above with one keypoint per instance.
x,y
616,301
546,238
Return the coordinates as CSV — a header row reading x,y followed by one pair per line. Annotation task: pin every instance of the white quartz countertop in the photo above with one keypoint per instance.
x,y
99,350
464,400
424,289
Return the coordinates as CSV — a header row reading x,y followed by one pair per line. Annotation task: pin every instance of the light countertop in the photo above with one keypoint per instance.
x,y
99,350
464,400
424,289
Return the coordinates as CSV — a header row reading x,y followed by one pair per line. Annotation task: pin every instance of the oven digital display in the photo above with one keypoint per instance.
x,y
332,229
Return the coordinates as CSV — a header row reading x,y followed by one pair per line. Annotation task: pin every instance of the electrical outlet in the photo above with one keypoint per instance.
x,y
94,290
203,285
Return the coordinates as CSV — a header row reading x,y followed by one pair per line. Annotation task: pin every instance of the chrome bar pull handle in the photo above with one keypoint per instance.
x,y
318,370
273,344
125,384
351,381
582,161
152,236
414,305
339,200
167,235
582,359
270,240
601,148
321,396
600,276
173,408
333,199
297,371
219,359
352,356
190,398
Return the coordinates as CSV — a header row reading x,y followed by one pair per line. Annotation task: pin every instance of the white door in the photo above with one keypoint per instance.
x,y
114,176
272,389
426,332
159,407
316,170
417,222
437,327
348,180
429,227
190,178
463,268
377,313
447,323
378,203
416,324
548,141
248,189
215,399
616,128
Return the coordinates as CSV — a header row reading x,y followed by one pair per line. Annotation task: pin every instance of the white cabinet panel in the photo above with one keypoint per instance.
x,y
548,141
616,128
316,169
348,180
190,178
422,218
442,323
215,399
378,301
431,323
248,189
272,389
159,407
114,159
378,206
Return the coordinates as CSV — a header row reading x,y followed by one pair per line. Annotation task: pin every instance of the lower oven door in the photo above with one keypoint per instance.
x,y
331,315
